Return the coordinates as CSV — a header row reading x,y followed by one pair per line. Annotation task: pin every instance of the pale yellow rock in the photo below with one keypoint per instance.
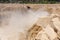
x,y
56,22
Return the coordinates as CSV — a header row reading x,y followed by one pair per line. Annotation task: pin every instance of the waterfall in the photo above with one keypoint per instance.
x,y
18,22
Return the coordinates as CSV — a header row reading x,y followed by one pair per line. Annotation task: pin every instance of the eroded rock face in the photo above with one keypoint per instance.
x,y
50,28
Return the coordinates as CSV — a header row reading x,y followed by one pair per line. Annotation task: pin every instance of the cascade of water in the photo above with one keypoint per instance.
x,y
19,21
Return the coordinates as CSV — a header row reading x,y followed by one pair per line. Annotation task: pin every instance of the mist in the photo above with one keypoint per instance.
x,y
19,21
